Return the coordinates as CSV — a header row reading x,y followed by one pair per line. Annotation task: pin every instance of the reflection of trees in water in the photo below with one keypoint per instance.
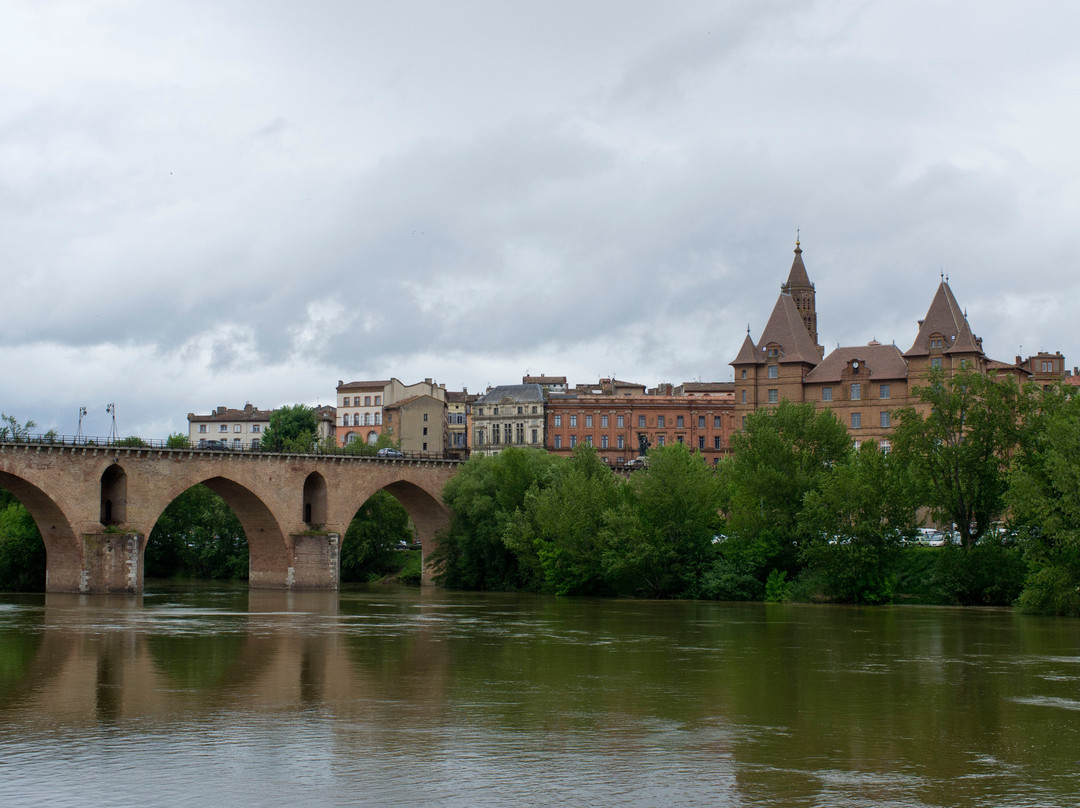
x,y
20,644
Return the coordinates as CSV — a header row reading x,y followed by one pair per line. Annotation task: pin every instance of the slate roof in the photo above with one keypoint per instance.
x,y
748,354
786,329
881,362
944,317
513,392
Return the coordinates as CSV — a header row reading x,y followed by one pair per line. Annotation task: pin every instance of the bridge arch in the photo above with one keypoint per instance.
x,y
268,552
113,496
315,499
63,550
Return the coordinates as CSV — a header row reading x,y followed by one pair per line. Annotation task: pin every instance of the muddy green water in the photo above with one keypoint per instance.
x,y
402,697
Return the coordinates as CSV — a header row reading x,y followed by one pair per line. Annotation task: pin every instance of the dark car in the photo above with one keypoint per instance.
x,y
389,453
220,445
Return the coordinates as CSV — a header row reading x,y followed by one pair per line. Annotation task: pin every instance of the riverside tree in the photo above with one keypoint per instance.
x,y
783,454
959,452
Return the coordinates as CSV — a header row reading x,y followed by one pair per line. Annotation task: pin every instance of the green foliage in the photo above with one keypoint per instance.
x,y
11,429
292,429
777,587
1044,499
557,527
197,536
22,551
855,521
484,497
177,440
130,440
370,544
959,454
784,453
657,541
989,574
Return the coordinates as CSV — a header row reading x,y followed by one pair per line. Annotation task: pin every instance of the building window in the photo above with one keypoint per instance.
x,y
743,375
558,441
856,420
603,441
534,436
680,438
557,420
223,428
856,392
857,445
603,421
480,437
425,447
378,418
886,420
620,442
534,410
660,439
367,401
716,422
425,430
521,411
701,422
744,422
935,361
378,400
680,422
237,428
884,391
619,422
495,434
701,442
588,440
588,420
660,421
256,428
716,442
573,441
743,396
885,447
641,420
774,371
479,410
367,419
425,416
519,434
573,421
236,443
508,433
774,396
202,427
345,401
255,444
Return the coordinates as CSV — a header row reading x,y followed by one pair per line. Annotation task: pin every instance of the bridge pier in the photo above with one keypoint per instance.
x,y
111,562
315,561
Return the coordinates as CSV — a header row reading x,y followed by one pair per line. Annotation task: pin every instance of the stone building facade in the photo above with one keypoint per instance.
x,y
508,415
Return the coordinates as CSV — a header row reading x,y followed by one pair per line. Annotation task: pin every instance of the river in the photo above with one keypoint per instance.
x,y
407,697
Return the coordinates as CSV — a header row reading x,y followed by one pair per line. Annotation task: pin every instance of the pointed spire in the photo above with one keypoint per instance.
x,y
797,278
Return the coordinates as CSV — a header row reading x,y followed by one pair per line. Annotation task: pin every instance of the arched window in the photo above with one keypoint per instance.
x,y
372,437
356,419
378,418
367,419
345,419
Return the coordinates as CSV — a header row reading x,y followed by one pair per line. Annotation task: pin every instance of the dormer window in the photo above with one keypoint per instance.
x,y
773,352
855,366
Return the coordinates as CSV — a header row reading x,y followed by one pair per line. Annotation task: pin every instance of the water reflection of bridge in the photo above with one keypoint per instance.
x,y
96,505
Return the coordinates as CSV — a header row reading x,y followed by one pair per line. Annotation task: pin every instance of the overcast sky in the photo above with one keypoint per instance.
x,y
210,203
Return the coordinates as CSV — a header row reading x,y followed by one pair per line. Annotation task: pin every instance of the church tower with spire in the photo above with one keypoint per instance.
x,y
803,295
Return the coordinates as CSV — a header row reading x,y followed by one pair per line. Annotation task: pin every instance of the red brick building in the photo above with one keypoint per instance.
x,y
618,418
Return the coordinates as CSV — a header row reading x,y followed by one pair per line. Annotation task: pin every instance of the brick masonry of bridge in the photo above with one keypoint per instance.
x,y
96,505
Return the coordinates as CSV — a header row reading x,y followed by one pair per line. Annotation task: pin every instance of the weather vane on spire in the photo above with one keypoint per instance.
x,y
796,236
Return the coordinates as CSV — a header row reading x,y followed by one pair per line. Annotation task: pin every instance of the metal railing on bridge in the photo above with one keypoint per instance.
x,y
218,446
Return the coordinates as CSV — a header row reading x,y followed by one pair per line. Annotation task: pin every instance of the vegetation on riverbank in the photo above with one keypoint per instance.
x,y
797,512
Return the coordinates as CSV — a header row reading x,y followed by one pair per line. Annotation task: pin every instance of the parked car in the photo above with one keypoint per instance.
x,y
637,462
389,453
219,445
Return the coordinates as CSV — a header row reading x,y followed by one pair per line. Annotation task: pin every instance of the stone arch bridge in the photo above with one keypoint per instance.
x,y
96,505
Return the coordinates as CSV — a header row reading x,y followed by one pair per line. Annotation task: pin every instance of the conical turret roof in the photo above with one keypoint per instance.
x,y
748,353
944,317
786,329
797,278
